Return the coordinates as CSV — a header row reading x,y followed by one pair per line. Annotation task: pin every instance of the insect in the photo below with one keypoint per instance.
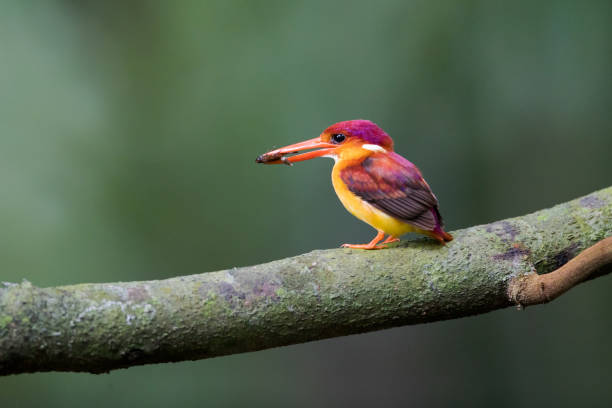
x,y
273,158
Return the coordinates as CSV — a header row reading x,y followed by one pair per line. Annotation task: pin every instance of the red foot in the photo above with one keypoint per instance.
x,y
390,239
373,244
363,246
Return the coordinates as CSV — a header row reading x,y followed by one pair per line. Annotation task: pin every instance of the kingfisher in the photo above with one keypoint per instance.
x,y
375,184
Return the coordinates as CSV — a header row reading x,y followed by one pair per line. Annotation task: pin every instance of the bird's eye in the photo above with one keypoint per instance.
x,y
338,138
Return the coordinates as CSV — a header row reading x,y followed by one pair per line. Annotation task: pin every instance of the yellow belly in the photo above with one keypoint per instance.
x,y
367,212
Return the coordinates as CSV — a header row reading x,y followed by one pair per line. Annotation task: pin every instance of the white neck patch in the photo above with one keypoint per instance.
x,y
331,156
374,148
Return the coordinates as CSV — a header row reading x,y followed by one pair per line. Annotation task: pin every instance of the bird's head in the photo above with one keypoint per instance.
x,y
348,139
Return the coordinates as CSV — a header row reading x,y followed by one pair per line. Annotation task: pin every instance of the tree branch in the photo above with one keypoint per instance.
x,y
533,289
321,294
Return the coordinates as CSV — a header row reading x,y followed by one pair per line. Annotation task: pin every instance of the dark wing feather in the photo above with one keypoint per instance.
x,y
394,185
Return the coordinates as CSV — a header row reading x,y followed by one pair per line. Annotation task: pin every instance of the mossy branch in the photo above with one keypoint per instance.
x,y
101,327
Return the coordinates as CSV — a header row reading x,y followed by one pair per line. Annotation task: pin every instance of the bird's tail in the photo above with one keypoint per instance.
x,y
446,236
438,232
442,236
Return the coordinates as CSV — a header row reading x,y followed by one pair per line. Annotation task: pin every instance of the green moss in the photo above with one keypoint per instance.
x,y
4,321
281,292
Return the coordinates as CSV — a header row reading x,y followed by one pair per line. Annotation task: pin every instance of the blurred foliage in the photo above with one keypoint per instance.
x,y
128,132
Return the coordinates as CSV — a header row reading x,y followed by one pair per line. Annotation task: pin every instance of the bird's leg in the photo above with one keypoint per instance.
x,y
370,245
390,239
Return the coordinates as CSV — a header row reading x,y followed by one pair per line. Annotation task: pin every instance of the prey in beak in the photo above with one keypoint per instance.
x,y
289,154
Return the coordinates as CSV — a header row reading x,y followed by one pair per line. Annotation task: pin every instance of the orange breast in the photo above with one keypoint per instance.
x,y
365,211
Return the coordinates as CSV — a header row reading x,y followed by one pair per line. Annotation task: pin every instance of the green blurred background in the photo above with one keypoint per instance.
x,y
128,132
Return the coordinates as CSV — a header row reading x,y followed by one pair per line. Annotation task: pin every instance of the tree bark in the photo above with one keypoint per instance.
x,y
325,293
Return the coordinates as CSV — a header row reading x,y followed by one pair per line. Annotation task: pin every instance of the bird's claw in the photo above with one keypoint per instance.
x,y
390,240
363,246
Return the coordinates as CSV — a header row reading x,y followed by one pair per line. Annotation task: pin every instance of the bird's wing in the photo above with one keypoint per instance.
x,y
395,186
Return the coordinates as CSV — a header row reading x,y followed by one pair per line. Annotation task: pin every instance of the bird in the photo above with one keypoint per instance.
x,y
375,184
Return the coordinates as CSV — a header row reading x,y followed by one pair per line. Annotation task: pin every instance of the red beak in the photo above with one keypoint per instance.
x,y
278,156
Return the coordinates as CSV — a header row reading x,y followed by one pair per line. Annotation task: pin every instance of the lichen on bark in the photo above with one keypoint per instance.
x,y
324,293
